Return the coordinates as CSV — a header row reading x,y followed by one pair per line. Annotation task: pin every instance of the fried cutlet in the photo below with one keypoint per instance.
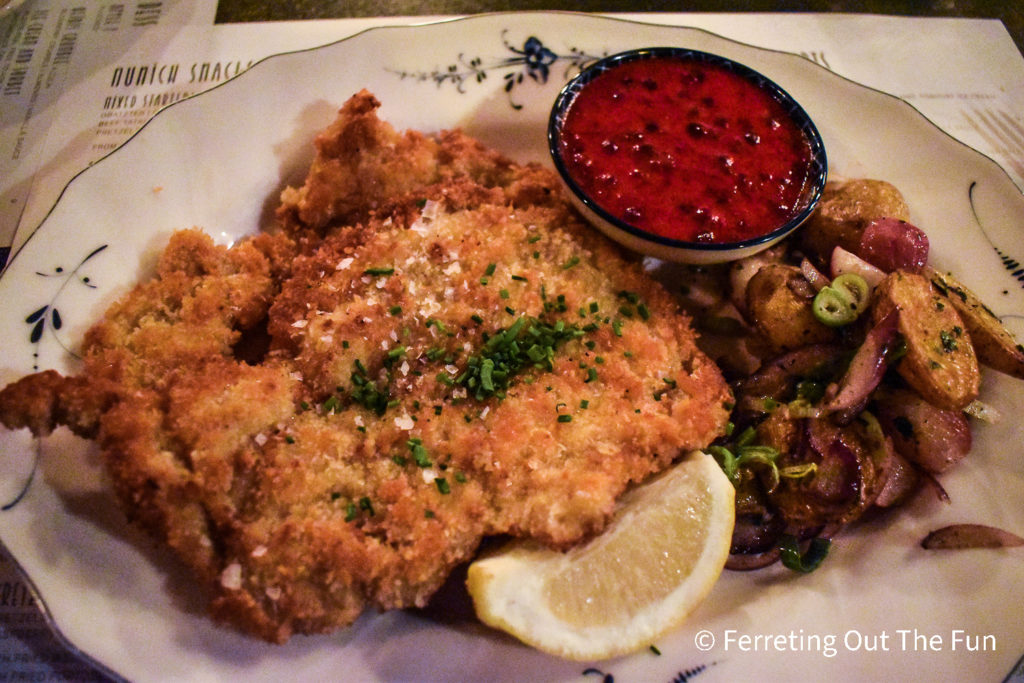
x,y
363,165
443,360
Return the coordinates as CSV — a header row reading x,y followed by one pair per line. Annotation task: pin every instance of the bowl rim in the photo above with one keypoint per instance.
x,y
817,176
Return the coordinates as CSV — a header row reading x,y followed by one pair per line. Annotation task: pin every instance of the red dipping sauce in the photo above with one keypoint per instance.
x,y
686,149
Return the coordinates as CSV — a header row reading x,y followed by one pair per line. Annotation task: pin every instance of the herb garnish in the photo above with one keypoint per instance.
x,y
526,343
366,393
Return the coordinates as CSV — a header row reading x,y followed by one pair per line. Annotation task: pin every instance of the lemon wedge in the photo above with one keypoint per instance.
x,y
655,562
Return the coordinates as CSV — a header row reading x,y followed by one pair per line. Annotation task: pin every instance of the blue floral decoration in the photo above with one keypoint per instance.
x,y
47,317
532,61
1011,264
685,676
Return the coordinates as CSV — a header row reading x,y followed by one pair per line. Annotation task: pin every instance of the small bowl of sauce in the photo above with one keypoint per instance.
x,y
686,156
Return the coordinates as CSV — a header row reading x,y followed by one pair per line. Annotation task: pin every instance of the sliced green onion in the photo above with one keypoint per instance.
x,y
727,461
832,308
798,471
805,562
855,287
842,302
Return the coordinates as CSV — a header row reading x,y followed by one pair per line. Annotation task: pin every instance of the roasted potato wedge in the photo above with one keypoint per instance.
x,y
940,363
780,309
993,343
846,207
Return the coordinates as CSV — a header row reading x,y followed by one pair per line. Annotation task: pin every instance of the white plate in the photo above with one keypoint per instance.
x,y
219,161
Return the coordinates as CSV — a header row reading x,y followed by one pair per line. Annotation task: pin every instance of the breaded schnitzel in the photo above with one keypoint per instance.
x,y
449,354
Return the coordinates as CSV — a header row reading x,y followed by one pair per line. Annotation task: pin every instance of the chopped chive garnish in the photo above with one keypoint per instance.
x,y
434,322
366,393
332,405
442,485
490,269
419,453
379,271
527,343
565,418
365,504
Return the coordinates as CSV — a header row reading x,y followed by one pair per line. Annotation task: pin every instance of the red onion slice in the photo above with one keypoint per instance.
x,y
814,276
777,376
844,261
960,536
901,481
746,563
866,369
839,473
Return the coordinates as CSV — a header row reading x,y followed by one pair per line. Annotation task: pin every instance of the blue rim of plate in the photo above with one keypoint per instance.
x,y
817,171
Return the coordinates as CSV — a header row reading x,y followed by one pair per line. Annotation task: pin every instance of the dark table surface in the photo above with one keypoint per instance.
x,y
1010,12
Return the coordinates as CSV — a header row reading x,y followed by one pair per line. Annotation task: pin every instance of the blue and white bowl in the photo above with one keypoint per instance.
x,y
666,248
